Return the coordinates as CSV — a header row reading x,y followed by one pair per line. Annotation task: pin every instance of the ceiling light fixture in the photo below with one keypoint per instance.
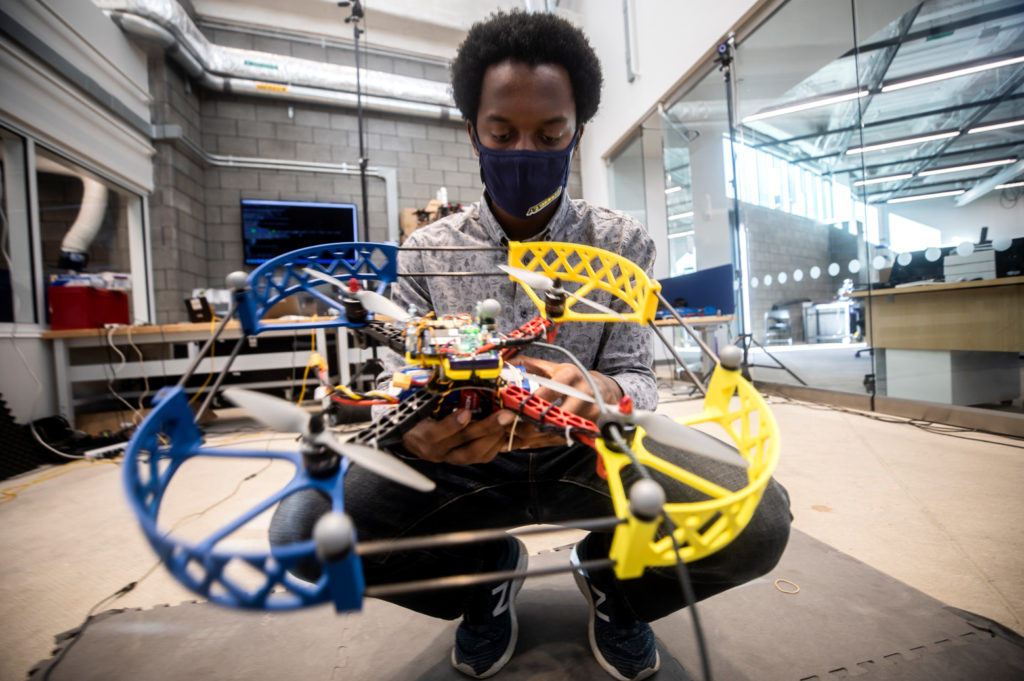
x,y
887,178
969,166
956,73
1010,185
672,190
996,126
807,104
680,216
903,142
921,197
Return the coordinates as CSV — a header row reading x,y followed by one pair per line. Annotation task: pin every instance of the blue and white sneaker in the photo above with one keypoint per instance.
x,y
486,637
622,645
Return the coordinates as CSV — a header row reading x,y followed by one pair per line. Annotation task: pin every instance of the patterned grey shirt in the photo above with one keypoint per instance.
x,y
620,350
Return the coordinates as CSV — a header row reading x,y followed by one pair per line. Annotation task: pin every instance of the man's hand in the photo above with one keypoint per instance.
x,y
528,437
457,439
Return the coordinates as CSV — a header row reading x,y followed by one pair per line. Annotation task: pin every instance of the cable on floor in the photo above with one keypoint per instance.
x,y
11,493
927,426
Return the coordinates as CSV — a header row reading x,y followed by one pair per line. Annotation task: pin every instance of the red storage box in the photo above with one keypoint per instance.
x,y
86,307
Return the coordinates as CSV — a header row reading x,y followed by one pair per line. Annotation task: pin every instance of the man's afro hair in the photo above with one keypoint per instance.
x,y
533,39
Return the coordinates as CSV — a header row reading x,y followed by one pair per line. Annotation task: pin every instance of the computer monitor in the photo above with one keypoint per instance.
x,y
919,268
271,228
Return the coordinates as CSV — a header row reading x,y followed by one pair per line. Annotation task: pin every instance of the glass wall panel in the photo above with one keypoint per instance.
x,y
682,253
806,227
626,181
695,132
943,139
878,172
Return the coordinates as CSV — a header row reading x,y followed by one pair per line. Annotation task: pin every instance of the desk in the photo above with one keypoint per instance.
x,y
970,315
958,343
707,326
166,365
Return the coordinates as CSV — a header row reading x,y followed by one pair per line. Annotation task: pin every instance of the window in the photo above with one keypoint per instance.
x,y
16,284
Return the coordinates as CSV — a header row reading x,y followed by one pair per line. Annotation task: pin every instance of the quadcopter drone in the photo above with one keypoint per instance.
x,y
460,360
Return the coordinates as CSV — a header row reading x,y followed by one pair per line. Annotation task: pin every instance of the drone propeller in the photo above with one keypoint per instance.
x,y
542,282
669,432
284,416
371,300
659,427
566,390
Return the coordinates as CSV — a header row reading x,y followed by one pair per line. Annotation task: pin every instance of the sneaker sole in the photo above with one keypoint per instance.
x,y
511,649
581,584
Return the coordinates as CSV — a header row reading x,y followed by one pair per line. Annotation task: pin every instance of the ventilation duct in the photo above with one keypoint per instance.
x,y
253,73
74,248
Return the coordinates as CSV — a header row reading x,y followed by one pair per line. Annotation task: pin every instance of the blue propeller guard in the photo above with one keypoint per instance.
x,y
286,275
169,437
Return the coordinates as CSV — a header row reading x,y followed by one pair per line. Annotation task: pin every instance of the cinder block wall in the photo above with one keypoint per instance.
x,y
195,208
782,242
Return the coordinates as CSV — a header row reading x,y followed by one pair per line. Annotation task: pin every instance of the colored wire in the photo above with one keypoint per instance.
x,y
136,414
213,349
309,363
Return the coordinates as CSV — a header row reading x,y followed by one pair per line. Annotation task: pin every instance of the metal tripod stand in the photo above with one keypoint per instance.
x,y
744,341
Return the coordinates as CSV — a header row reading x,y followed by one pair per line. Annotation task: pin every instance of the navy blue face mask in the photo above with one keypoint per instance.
x,y
523,183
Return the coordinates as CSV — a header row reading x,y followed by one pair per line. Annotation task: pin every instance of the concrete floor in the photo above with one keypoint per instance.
x,y
937,512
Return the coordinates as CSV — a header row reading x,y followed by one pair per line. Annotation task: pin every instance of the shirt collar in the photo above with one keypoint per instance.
x,y
556,225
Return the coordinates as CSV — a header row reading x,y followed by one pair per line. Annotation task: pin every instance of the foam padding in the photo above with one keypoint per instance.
x,y
847,620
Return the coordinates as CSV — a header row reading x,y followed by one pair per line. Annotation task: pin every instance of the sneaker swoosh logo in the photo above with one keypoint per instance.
x,y
502,592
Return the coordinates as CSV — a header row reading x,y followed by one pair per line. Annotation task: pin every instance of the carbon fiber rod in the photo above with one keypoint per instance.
x,y
206,346
481,578
220,378
679,360
368,548
688,328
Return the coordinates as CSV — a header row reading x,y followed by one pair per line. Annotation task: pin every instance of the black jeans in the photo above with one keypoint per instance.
x,y
548,486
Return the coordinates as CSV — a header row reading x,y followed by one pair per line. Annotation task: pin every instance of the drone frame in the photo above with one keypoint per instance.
x,y
169,436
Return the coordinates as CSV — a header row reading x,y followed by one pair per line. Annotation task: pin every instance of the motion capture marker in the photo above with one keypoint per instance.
x,y
488,311
646,498
237,280
731,357
334,536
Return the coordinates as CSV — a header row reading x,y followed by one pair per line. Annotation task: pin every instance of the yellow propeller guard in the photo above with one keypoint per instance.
x,y
591,268
702,527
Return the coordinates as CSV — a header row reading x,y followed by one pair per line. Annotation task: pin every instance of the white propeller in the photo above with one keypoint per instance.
x,y
659,427
566,390
542,282
284,416
371,300
669,432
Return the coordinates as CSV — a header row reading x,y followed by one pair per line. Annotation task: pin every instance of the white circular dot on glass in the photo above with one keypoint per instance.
x,y
1001,244
783,277
879,262
767,280
904,259
854,266
815,272
833,269
932,254
964,248
754,281
798,275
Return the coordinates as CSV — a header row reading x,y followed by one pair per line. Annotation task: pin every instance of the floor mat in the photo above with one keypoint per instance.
x,y
845,620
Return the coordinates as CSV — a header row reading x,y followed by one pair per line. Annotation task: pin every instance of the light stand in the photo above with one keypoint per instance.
x,y
746,338
725,59
354,18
